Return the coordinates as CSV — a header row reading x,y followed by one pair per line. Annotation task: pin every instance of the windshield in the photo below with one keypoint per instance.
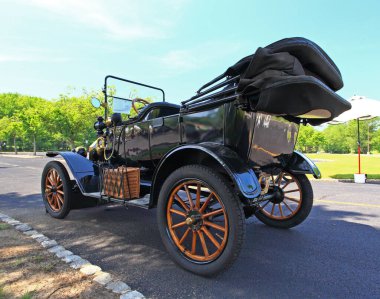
x,y
121,106
121,92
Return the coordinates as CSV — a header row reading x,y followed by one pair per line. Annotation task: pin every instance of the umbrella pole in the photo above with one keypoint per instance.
x,y
358,144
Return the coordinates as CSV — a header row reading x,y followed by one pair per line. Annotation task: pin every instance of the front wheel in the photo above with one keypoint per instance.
x,y
56,189
201,220
291,203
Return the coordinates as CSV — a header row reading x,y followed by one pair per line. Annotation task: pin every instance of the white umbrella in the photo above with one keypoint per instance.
x,y
362,109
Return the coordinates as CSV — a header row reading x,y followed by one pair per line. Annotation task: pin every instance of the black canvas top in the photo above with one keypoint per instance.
x,y
293,76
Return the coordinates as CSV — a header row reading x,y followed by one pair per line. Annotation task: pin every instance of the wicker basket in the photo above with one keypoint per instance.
x,y
122,182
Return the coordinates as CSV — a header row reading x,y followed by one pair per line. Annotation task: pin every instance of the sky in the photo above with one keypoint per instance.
x,y
48,47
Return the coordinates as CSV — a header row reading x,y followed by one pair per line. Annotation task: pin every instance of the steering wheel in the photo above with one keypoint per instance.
x,y
139,100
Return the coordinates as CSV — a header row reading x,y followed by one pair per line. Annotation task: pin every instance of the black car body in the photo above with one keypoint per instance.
x,y
242,127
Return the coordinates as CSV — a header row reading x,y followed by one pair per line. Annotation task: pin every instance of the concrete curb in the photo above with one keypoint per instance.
x,y
74,261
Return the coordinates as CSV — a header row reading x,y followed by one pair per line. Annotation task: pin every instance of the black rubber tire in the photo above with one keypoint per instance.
x,y
234,210
303,212
67,189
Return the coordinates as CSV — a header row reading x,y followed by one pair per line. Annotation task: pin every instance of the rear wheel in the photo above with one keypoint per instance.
x,y
56,189
200,219
291,204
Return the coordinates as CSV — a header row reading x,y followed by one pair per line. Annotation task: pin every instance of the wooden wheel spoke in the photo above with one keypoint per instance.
x,y
291,191
54,201
279,178
60,186
206,203
292,199
198,197
181,202
60,198
59,203
184,235
203,243
174,211
50,179
213,213
271,212
213,225
178,225
280,208
60,192
286,205
287,184
54,175
211,237
194,243
262,207
189,197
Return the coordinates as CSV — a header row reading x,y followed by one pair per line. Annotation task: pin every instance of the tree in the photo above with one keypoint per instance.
x,y
35,119
309,139
75,118
10,128
336,139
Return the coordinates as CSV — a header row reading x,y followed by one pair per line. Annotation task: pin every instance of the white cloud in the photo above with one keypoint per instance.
x,y
14,58
198,57
120,19
29,55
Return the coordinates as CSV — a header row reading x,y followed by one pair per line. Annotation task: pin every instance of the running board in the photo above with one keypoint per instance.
x,y
142,202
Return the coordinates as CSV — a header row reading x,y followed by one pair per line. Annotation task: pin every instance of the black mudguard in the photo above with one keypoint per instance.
x,y
301,164
85,172
243,177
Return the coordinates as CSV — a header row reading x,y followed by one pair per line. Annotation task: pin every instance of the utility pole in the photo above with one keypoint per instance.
x,y
368,140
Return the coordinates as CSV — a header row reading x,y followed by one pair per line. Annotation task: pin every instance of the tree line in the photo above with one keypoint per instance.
x,y
35,124
342,138
32,123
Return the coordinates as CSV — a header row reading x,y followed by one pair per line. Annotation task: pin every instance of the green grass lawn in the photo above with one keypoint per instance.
x,y
343,166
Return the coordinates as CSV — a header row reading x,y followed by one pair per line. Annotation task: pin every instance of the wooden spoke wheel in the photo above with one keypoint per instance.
x,y
287,200
197,221
291,202
56,189
200,219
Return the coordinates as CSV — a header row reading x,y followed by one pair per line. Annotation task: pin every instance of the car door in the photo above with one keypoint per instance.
x,y
135,145
163,130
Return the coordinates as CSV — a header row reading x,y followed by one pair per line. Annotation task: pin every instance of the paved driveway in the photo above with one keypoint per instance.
x,y
334,253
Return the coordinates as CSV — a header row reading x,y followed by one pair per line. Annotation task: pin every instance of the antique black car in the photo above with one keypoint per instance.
x,y
220,157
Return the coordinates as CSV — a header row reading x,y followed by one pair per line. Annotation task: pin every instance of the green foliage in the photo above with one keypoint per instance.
x,y
35,123
309,139
336,139
341,138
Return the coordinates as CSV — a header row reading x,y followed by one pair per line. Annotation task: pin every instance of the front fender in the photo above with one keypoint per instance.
x,y
243,177
301,164
85,172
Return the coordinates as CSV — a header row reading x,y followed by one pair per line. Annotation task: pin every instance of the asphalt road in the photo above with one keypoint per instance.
x,y
334,253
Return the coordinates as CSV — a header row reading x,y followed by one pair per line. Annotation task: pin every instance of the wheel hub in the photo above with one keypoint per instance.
x,y
194,220
278,195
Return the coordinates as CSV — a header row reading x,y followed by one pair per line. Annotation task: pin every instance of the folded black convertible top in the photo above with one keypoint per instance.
x,y
293,76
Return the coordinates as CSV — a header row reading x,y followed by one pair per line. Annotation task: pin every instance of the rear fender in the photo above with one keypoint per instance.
x,y
217,155
84,172
301,164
